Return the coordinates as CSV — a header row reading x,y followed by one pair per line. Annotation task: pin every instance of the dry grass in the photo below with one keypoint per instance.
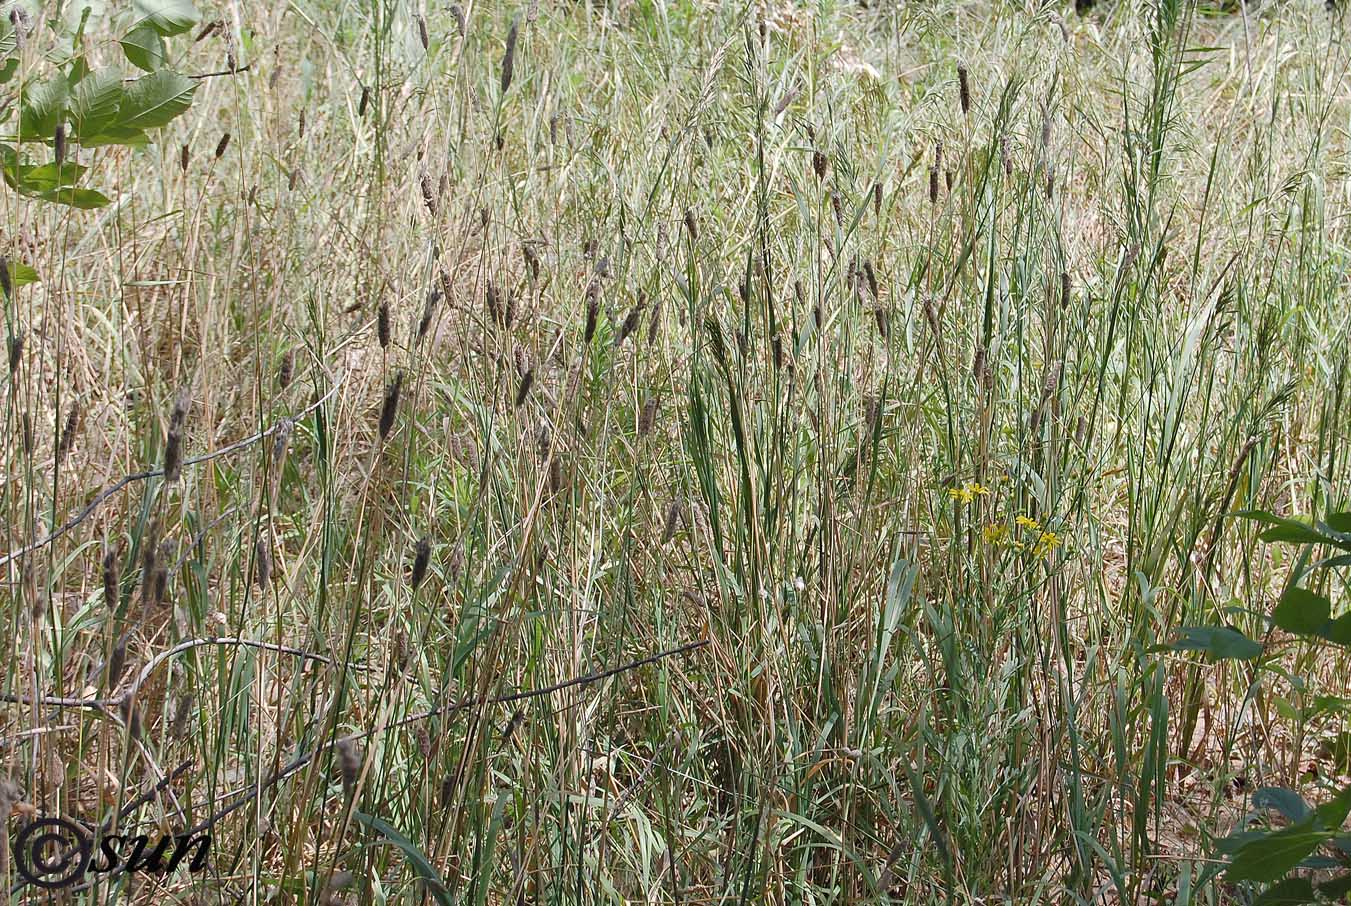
x,y
688,375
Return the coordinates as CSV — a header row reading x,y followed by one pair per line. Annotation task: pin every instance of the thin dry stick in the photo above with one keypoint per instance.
x,y
99,704
155,473
300,761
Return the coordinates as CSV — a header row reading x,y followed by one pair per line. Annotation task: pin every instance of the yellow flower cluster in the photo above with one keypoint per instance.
x,y
1041,545
968,492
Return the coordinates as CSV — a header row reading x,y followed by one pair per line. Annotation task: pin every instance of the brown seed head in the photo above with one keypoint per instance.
x,y
173,457
112,564
648,417
673,512
523,392
428,193
349,762
592,309
222,145
287,369
382,324
509,58
117,661
872,278
964,89
422,556
630,323
15,351
262,561
67,437
390,407
428,310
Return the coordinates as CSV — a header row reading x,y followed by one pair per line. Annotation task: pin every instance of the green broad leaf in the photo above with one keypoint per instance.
x,y
1283,529
421,865
1339,522
1220,641
94,103
1287,802
1274,855
21,275
76,198
144,47
167,17
153,100
48,176
1331,815
1339,630
1302,612
1336,887
116,135
1290,892
7,69
1330,704
44,106
1231,844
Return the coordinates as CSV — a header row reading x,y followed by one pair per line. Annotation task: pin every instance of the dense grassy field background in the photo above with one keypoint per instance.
x,y
908,356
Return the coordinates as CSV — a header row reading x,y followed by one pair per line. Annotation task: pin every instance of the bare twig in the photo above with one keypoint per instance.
x,y
224,72
100,704
126,480
300,761
257,789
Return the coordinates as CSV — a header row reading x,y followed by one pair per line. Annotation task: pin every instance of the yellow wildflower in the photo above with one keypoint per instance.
x,y
1046,542
968,492
996,534
1031,525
